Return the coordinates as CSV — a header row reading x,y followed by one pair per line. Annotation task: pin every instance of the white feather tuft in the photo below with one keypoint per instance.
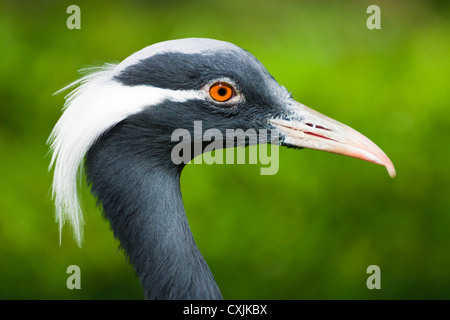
x,y
97,103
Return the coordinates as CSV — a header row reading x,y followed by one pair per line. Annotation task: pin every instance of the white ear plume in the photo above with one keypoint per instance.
x,y
97,103
69,142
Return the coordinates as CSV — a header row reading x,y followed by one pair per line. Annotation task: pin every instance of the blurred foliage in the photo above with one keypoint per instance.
x,y
308,232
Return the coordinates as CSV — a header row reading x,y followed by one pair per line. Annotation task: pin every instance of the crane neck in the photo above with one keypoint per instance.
x,y
139,190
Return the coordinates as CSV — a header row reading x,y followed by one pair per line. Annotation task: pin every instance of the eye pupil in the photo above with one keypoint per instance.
x,y
222,91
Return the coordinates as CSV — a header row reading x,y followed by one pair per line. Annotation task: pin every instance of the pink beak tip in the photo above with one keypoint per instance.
x,y
391,170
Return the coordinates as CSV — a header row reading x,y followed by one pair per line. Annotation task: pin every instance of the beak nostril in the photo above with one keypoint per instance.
x,y
323,128
316,126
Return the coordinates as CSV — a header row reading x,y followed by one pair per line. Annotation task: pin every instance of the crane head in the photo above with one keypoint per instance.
x,y
172,85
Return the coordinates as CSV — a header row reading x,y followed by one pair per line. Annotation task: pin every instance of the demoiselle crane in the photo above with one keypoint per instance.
x,y
118,124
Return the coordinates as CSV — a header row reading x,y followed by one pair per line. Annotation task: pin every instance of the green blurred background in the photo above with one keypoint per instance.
x,y
308,232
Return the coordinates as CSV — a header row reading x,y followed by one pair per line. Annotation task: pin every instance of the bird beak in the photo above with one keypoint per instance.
x,y
307,128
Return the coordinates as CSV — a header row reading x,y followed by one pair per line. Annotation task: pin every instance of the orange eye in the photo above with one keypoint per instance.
x,y
221,91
